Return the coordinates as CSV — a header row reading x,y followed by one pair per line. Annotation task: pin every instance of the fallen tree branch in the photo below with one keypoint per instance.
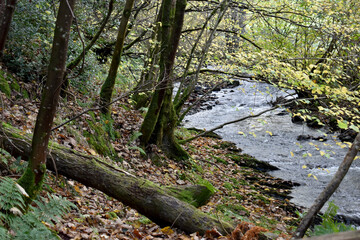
x,y
160,204
227,123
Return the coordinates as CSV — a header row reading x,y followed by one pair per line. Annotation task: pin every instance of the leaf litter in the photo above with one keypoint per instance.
x,y
244,195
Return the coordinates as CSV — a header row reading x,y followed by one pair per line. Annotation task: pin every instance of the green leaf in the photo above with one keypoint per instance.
x,y
343,124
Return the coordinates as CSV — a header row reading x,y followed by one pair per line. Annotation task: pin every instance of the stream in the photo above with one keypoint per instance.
x,y
273,138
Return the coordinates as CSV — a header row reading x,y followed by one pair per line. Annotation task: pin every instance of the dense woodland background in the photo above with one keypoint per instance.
x,y
98,77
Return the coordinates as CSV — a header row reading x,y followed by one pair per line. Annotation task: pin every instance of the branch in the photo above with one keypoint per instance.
x,y
227,123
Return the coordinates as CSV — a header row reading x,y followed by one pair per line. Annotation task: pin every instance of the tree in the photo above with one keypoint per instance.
x,y
33,176
108,86
160,121
7,8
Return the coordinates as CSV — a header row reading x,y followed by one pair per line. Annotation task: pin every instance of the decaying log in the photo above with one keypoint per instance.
x,y
155,202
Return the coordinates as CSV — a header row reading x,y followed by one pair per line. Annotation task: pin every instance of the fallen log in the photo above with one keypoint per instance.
x,y
160,204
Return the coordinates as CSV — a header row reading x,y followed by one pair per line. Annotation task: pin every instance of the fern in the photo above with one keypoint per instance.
x,y
53,209
30,224
11,195
329,225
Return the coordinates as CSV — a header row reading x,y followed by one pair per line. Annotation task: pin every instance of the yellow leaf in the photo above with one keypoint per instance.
x,y
270,133
241,133
309,175
77,189
173,166
304,166
167,230
315,177
292,154
309,154
322,153
92,151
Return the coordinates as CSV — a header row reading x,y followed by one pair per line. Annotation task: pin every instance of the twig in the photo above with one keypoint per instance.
x,y
92,109
222,225
211,163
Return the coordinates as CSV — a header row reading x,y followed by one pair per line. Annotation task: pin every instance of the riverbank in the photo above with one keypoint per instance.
x,y
304,155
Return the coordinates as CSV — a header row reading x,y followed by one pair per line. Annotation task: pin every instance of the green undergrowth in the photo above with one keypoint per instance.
x,y
99,135
8,83
18,220
329,225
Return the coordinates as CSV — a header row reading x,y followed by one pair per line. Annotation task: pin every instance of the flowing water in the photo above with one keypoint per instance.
x,y
273,138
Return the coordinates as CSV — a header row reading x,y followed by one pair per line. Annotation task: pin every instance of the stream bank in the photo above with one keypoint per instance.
x,y
303,155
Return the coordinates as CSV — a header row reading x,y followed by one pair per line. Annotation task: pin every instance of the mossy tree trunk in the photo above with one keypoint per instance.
x,y
73,64
160,121
32,179
7,8
108,86
165,205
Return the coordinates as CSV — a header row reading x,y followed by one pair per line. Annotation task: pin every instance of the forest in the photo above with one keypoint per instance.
x,y
113,118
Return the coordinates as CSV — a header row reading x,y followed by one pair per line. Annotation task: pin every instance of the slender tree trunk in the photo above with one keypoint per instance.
x,y
166,206
32,179
72,65
7,8
160,121
108,86
329,189
190,87
149,75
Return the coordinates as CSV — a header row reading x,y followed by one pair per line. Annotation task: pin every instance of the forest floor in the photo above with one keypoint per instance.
x,y
242,192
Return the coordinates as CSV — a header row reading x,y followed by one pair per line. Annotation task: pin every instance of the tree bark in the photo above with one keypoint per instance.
x,y
329,189
160,204
7,8
108,86
160,121
32,179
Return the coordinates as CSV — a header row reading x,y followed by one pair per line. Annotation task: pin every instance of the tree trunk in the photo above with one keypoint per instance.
x,y
329,189
32,179
160,121
160,204
190,87
108,86
7,8
148,76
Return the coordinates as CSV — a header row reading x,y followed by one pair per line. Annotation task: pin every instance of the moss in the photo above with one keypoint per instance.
x,y
28,182
226,145
196,195
235,210
4,85
219,160
228,186
246,160
99,139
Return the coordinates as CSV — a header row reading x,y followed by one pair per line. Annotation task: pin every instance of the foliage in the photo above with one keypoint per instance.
x,y
328,224
29,41
101,130
32,223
